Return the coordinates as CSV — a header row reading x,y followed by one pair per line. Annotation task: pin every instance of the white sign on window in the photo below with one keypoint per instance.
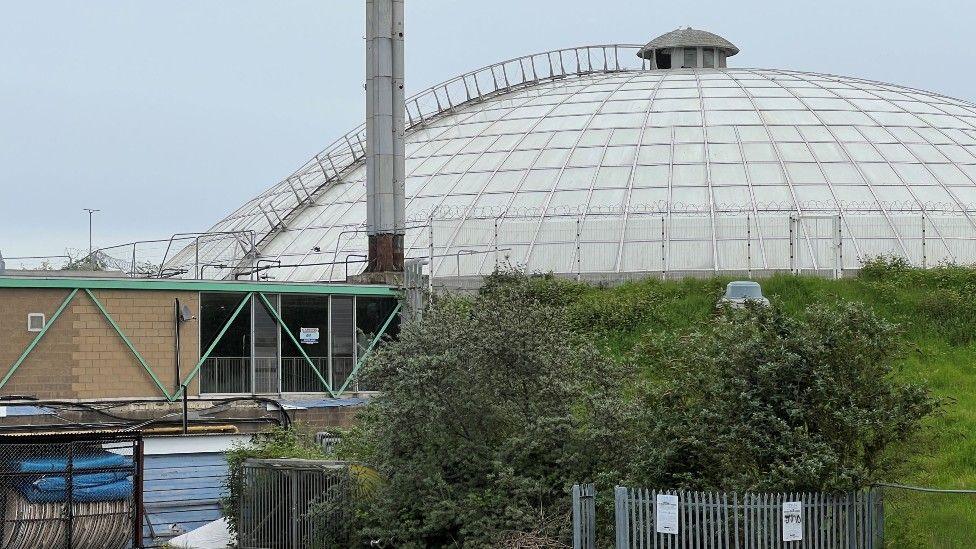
x,y
667,514
308,336
792,521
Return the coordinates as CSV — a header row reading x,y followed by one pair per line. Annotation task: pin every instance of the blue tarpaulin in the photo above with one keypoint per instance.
x,y
103,460
120,489
51,485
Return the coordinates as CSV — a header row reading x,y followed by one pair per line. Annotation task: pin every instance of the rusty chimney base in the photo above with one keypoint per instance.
x,y
385,253
385,264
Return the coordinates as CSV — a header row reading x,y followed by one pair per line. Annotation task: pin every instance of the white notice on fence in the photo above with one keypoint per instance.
x,y
667,514
308,336
792,521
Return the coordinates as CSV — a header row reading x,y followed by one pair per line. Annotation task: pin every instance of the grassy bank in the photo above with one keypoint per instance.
x,y
936,312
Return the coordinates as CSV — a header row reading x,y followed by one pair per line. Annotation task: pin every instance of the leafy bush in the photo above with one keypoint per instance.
x,y
493,405
942,299
482,423
756,400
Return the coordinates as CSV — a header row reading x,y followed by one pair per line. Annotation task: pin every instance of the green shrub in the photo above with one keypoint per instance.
x,y
482,423
754,399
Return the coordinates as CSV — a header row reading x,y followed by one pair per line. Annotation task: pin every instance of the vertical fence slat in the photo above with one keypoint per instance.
x,y
697,520
635,513
577,518
649,539
735,518
619,510
641,537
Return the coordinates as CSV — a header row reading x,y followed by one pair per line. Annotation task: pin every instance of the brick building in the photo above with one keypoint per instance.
x,y
100,339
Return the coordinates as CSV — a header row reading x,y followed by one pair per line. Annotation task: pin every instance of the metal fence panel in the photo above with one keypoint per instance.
x,y
677,243
281,503
71,491
722,520
584,516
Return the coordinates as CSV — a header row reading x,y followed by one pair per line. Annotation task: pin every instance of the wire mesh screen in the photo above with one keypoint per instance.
x,y
292,504
70,491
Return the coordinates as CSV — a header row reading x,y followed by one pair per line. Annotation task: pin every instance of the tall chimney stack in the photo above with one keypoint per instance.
x,y
385,167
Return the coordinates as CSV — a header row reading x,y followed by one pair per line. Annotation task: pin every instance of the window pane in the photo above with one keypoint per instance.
x,y
762,174
688,174
708,58
794,152
307,318
724,153
804,173
343,348
371,314
654,154
728,174
228,369
759,152
265,347
685,153
651,176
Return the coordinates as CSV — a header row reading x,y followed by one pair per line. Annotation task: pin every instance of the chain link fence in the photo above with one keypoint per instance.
x,y
71,491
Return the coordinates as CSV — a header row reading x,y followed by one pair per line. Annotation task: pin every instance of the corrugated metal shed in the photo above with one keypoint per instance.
x,y
182,493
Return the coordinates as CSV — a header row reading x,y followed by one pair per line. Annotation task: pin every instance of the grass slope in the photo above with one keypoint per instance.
x,y
936,311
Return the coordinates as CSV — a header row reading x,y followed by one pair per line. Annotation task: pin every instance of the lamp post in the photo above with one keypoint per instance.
x,y
91,249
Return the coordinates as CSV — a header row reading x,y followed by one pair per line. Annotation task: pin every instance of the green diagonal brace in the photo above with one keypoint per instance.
x,y
369,349
196,369
37,338
284,328
145,365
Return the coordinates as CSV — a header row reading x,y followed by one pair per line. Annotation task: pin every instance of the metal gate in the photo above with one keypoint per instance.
x,y
292,503
77,491
817,245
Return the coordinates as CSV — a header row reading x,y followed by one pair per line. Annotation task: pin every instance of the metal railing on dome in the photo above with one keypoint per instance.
x,y
290,196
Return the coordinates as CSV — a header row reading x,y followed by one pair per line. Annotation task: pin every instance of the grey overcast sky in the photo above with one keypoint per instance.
x,y
168,114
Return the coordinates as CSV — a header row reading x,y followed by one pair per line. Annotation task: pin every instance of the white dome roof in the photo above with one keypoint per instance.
x,y
584,172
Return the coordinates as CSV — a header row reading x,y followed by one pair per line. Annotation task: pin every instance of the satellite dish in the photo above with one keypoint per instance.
x,y
186,314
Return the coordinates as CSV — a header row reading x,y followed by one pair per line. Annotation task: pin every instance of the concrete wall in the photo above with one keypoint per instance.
x,y
82,357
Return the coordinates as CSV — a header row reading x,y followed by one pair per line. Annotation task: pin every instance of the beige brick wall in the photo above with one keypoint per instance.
x,y
82,356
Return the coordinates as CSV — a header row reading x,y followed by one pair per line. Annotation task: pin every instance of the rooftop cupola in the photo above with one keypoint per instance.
x,y
688,48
